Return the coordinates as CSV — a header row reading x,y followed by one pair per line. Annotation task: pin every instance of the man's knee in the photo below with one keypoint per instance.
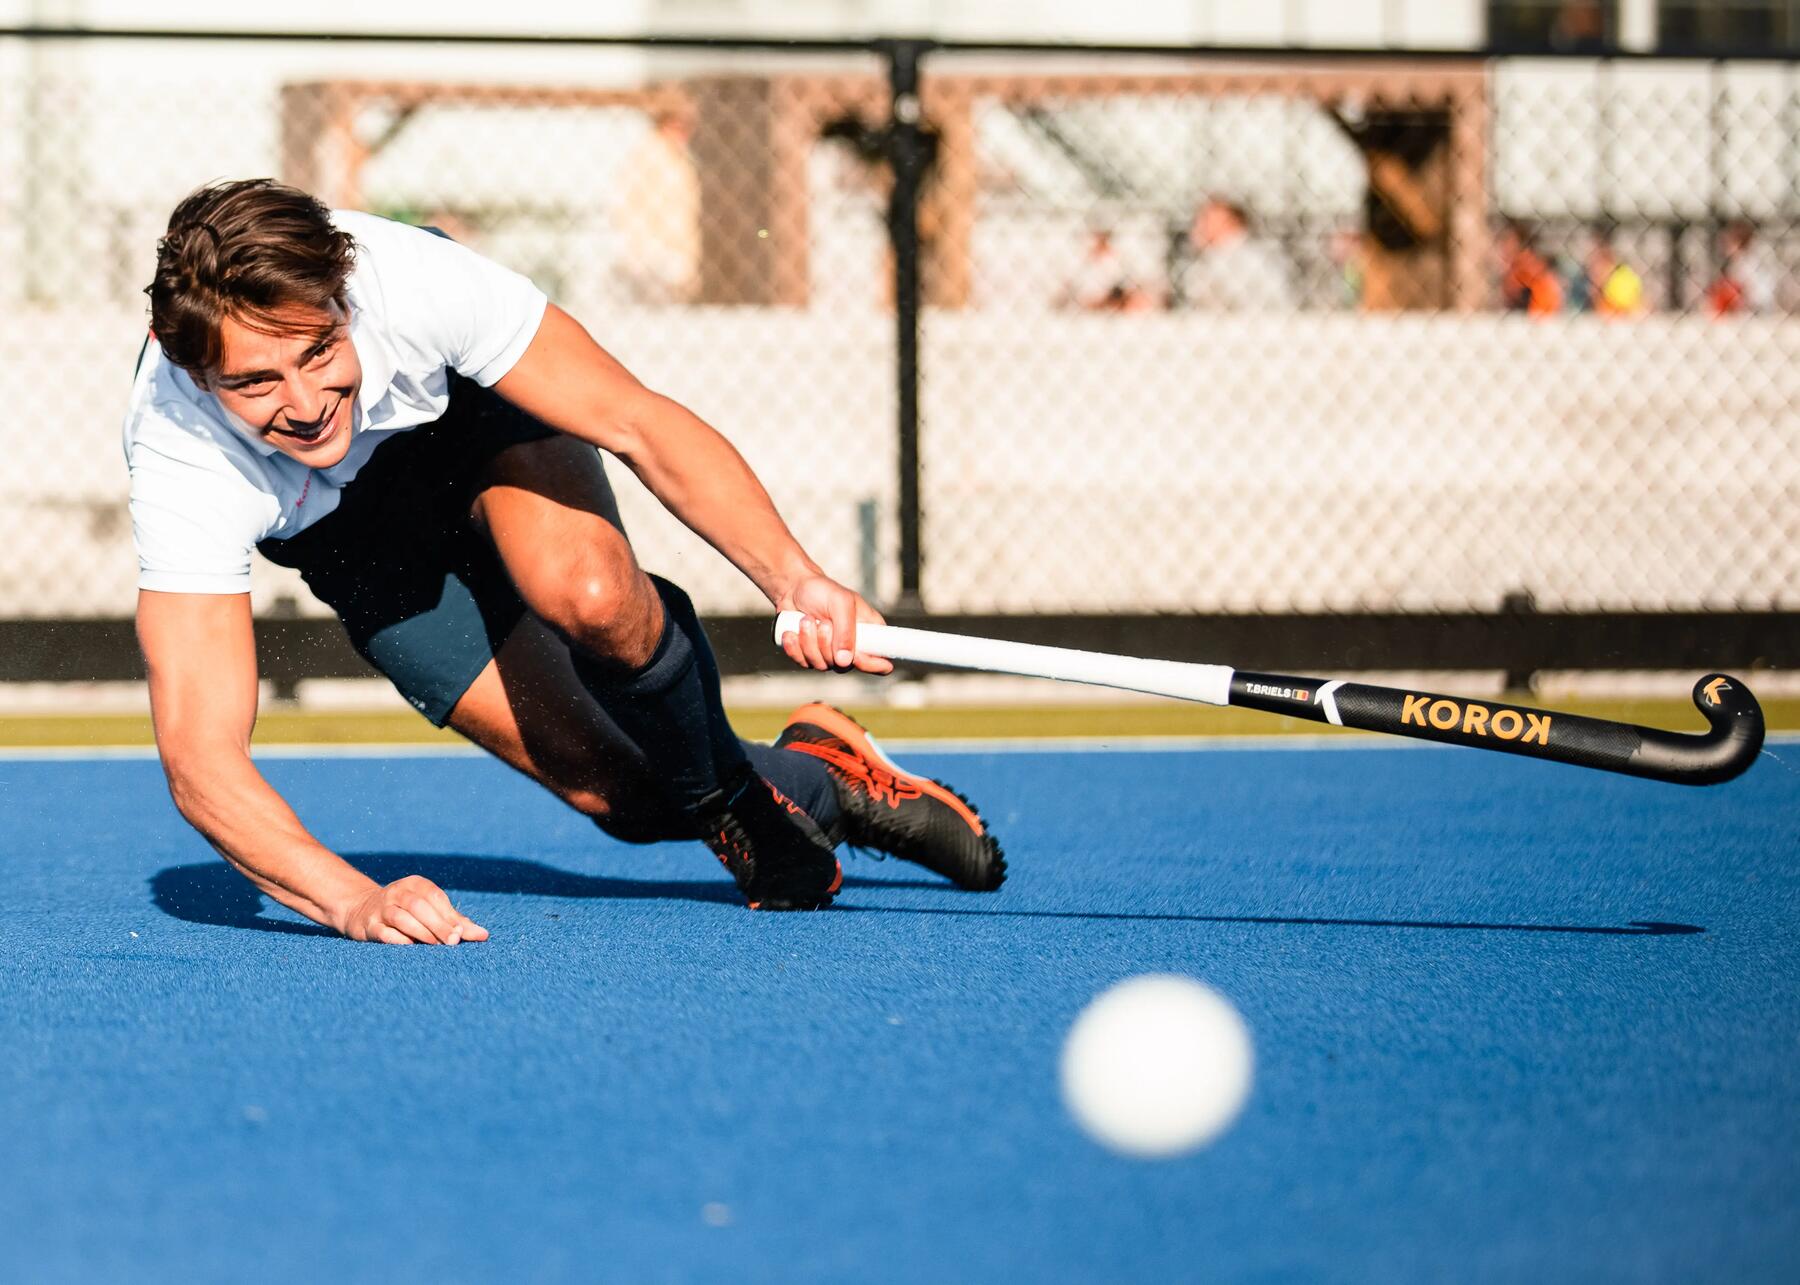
x,y
608,608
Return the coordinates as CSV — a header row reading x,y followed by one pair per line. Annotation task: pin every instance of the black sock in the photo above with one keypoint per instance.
x,y
800,777
803,778
671,707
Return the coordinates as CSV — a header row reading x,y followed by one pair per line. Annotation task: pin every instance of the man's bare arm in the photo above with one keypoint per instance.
x,y
572,383
201,654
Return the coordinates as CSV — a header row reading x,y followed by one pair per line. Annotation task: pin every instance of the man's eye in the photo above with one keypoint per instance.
x,y
320,354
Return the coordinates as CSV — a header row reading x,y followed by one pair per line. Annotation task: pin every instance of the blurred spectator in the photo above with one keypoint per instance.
x,y
1604,283
1231,270
658,215
1579,28
1101,282
1746,280
1526,282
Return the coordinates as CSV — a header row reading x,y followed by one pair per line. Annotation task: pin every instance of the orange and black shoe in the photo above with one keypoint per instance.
x,y
779,857
893,811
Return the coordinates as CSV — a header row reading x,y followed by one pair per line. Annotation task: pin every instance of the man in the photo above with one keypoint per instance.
x,y
1231,270
1746,280
1606,284
1101,283
658,214
413,428
1527,283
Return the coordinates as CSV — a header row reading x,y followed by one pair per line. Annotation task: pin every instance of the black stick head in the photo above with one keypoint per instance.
x,y
1728,748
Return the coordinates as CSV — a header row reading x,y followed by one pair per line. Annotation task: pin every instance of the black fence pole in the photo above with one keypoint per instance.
x,y
909,149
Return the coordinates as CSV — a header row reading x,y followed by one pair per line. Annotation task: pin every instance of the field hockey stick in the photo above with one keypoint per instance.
x,y
1729,746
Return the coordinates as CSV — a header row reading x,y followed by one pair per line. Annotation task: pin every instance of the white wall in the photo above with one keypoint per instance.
x,y
1174,462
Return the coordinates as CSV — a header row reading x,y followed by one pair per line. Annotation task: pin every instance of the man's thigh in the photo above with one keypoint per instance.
x,y
528,708
550,514
541,489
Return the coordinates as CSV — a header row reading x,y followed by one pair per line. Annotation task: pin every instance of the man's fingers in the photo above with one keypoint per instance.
x,y
825,636
436,913
407,929
867,615
437,897
873,664
819,635
810,653
431,907
843,630
465,929
461,925
410,924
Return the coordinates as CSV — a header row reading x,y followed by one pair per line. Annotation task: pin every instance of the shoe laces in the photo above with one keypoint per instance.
x,y
871,854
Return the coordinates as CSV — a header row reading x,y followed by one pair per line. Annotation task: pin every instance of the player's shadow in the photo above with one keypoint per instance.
x,y
210,892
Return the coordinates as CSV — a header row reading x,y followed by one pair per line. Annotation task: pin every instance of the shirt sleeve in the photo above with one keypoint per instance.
x,y
476,315
194,526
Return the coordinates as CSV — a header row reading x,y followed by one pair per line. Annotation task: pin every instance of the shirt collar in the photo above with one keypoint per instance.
x,y
378,362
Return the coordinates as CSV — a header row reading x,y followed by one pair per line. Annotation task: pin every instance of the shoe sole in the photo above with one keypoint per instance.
x,y
818,902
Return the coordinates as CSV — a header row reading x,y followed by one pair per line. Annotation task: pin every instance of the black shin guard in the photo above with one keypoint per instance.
x,y
672,708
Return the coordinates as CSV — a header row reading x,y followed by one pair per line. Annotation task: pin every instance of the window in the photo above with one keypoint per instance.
x,y
1707,26
1553,26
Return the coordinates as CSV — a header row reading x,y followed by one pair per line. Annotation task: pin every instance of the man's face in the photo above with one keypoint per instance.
x,y
297,390
1215,225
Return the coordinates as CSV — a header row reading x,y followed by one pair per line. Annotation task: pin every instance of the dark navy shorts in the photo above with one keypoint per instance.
x,y
419,587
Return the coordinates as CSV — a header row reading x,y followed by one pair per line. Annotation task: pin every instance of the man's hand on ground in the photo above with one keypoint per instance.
x,y
410,911
827,636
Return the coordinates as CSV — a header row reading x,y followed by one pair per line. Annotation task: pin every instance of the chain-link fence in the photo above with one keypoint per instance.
x,y
1422,338
1364,338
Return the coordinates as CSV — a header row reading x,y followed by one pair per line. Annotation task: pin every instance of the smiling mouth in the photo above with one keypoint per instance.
x,y
310,433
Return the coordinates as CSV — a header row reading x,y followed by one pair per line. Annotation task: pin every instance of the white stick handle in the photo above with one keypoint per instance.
x,y
1210,684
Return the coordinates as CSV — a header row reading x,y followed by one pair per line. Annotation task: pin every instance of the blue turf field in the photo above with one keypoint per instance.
x,y
1476,1061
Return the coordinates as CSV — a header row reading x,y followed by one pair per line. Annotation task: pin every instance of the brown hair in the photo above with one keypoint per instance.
x,y
246,250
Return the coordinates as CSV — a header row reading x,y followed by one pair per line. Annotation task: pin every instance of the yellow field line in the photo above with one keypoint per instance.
x,y
943,723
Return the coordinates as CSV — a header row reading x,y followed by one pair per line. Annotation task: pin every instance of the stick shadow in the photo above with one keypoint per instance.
x,y
210,892
1634,928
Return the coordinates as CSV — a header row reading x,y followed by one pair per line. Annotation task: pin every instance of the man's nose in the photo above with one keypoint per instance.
x,y
305,402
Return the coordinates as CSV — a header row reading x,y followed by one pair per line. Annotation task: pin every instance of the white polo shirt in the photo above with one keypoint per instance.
x,y
204,489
